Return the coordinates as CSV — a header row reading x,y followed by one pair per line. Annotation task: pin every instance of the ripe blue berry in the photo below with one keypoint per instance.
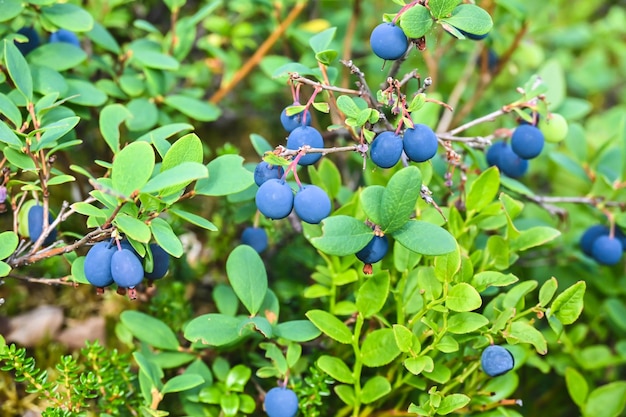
x,y
607,250
295,120
527,141
160,262
126,269
98,264
274,199
496,360
64,35
33,40
388,41
420,143
510,164
494,152
589,237
374,251
312,204
281,402
386,149
35,225
265,171
306,135
255,237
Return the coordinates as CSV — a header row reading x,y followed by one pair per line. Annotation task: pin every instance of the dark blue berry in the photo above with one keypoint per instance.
x,y
255,237
494,152
590,236
274,199
281,402
496,360
312,204
306,135
126,269
160,262
35,225
265,171
527,141
420,143
607,250
295,120
33,40
386,149
98,264
510,164
388,41
374,251
64,35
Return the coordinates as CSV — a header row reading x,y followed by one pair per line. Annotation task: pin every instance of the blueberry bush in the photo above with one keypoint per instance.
x,y
325,208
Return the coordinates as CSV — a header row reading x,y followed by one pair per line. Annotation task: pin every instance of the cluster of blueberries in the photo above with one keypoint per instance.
x,y
605,249
419,143
511,159
111,262
61,35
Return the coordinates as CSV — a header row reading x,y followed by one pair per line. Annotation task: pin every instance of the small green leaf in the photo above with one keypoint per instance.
x,y
5,269
54,131
466,322
336,368
193,219
68,16
180,383
516,294
576,386
133,227
399,198
371,198
84,93
535,236
176,178
379,348
348,107
483,190
198,110
166,238
372,295
60,56
425,238
297,330
330,325
418,365
342,236
451,403
463,297
10,111
375,388
247,276
143,114
101,36
606,401
470,18
238,377
8,136
416,21
132,168
18,69
321,41
111,117
150,330
149,55
547,291
521,332
569,304
403,336
486,279
8,244
10,9
442,8
213,329
226,176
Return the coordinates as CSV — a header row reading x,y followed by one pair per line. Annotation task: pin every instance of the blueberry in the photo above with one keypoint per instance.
x,y
255,237
386,149
312,204
281,402
496,360
607,250
33,40
295,120
126,269
420,143
274,199
374,251
98,264
64,35
388,41
35,225
265,171
160,262
527,141
590,236
510,164
494,152
306,135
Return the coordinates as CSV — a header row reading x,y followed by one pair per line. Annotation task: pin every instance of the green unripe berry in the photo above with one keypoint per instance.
x,y
554,127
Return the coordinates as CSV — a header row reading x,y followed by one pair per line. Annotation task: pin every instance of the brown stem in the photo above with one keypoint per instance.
x,y
295,77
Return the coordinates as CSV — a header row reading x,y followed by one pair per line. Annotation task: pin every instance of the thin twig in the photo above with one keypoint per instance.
x,y
48,281
295,77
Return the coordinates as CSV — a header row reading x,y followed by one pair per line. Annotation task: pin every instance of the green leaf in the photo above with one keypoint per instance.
x,y
5,269
372,295
416,21
547,291
10,9
446,266
553,75
463,297
483,190
417,365
576,386
425,238
442,8
85,93
193,219
371,198
150,330
297,331
606,401
226,176
330,325
451,403
18,69
111,117
8,136
238,377
143,114
60,56
321,41
101,36
379,348
176,178
471,19
336,368
183,382
485,279
132,168
166,238
521,332
342,236
199,110
186,149
87,209
8,244
246,274
213,329
535,236
54,131
133,227
517,293
374,389
399,198
150,370
10,111
403,336
466,322
348,107
569,304
68,16
149,55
